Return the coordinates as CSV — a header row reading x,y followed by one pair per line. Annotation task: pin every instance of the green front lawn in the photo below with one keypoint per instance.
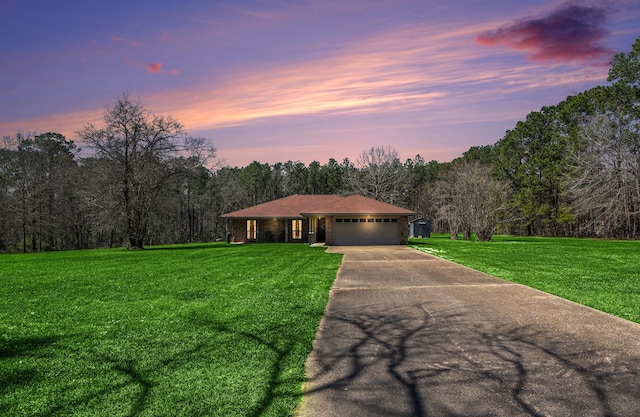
x,y
601,274
212,329
224,330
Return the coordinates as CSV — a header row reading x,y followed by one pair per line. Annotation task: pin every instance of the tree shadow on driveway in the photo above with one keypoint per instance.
x,y
420,361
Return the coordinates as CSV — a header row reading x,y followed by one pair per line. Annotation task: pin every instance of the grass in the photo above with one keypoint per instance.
x,y
601,274
213,329
224,330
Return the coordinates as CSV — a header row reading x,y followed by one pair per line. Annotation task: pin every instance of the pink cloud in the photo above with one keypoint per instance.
x,y
151,67
571,33
154,68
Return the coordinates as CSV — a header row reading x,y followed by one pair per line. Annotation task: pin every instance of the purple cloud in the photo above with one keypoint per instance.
x,y
572,33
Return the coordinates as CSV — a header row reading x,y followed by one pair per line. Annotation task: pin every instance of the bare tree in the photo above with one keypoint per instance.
x,y
39,172
20,165
449,196
143,150
470,200
379,174
606,185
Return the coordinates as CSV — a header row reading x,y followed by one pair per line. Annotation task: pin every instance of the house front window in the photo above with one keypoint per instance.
x,y
296,229
251,229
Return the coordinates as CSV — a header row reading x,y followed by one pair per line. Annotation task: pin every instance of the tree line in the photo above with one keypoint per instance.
x,y
571,169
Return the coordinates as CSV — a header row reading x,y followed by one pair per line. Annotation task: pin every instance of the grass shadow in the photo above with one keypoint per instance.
x,y
191,246
24,346
19,348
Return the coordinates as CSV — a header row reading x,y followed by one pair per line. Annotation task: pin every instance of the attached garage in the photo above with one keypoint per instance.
x,y
366,231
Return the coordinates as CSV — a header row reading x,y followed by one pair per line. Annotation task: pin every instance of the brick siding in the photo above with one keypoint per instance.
x,y
269,231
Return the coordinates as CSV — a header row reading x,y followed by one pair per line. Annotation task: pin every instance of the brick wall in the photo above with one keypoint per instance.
x,y
274,230
404,230
269,231
238,230
330,225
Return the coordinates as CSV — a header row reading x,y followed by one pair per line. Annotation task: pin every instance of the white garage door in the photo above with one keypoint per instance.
x,y
367,231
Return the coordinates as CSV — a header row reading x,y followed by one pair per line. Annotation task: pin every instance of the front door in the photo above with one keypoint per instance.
x,y
321,230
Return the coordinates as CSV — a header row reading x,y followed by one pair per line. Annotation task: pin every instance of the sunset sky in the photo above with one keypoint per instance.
x,y
278,80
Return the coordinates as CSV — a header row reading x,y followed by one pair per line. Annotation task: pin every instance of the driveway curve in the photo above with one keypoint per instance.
x,y
408,334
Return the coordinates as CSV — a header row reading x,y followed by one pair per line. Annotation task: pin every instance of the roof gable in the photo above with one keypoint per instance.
x,y
288,207
299,206
357,204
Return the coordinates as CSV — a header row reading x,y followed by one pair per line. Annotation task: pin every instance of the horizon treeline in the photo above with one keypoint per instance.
x,y
570,169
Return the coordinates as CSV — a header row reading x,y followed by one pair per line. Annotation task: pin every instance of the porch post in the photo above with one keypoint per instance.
x,y
311,232
286,230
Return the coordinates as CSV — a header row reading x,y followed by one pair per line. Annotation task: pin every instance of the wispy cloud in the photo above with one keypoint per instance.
x,y
151,67
66,124
571,33
130,42
436,70
415,68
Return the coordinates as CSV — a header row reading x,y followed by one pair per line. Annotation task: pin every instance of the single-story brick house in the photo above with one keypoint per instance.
x,y
333,219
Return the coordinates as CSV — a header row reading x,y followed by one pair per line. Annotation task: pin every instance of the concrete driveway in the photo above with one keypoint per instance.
x,y
409,334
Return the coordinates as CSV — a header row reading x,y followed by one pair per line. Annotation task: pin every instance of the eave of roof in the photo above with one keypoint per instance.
x,y
419,219
300,206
